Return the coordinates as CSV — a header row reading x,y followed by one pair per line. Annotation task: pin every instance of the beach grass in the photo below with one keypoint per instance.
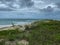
x,y
46,32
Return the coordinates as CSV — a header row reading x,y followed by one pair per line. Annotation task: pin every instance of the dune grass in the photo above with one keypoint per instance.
x,y
46,32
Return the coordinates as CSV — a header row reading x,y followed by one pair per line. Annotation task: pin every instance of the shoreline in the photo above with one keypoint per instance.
x,y
11,27
20,23
2,26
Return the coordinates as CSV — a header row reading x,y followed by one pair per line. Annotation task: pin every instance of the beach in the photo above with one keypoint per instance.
x,y
14,26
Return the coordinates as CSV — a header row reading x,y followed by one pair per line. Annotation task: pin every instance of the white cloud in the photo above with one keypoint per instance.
x,y
28,5
3,5
15,6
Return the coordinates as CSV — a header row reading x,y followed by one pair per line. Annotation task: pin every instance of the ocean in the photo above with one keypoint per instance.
x,y
7,18
15,21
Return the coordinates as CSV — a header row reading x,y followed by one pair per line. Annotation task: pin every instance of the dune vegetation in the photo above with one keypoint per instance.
x,y
45,32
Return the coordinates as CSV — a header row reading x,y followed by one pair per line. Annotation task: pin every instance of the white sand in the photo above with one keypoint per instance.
x,y
2,26
6,27
19,23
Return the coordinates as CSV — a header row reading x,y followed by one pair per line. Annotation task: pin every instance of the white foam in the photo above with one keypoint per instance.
x,y
18,23
1,26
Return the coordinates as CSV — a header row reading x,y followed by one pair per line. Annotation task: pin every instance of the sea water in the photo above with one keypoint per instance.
x,y
15,21
7,18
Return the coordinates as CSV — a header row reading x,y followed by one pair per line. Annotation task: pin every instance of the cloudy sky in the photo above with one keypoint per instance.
x,y
38,6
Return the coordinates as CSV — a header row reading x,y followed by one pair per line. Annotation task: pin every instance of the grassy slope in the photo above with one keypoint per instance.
x,y
41,33
46,33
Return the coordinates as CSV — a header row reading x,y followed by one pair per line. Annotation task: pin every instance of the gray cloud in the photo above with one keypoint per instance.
x,y
20,3
51,1
29,3
5,9
58,5
26,3
48,9
7,0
